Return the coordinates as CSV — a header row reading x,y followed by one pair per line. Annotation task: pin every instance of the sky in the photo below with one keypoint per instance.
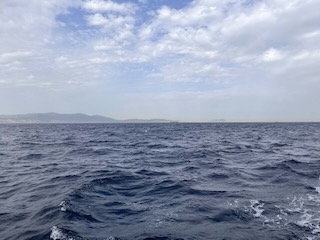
x,y
187,60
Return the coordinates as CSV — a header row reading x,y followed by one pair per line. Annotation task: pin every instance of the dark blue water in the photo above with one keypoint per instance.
x,y
160,181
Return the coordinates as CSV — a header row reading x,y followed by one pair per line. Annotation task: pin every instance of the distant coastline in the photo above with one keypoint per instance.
x,y
52,117
70,118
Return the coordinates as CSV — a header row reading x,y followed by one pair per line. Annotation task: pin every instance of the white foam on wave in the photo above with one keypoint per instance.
x,y
308,221
57,234
310,217
234,204
302,211
296,205
63,206
257,207
305,220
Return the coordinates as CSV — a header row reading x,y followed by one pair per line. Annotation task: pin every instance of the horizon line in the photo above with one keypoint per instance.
x,y
219,120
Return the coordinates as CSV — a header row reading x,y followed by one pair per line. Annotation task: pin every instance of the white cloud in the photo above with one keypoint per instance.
x,y
98,20
307,55
261,45
28,24
14,56
204,33
231,33
272,55
191,71
116,23
108,6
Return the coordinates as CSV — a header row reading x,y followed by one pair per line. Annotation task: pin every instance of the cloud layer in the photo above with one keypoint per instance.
x,y
224,56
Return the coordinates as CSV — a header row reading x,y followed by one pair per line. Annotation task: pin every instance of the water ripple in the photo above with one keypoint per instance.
x,y
160,181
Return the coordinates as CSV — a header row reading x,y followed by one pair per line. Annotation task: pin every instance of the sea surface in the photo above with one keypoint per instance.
x,y
160,181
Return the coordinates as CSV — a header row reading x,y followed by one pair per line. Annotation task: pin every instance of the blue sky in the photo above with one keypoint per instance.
x,y
195,60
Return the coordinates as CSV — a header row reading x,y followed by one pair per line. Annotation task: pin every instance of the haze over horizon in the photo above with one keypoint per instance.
x,y
200,60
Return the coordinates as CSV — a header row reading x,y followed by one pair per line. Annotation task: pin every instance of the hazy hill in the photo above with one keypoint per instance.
x,y
54,118
67,118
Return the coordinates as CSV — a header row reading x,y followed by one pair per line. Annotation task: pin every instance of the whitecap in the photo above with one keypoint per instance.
x,y
111,238
63,206
256,206
57,234
305,220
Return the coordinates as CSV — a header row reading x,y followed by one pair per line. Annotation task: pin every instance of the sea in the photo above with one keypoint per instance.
x,y
166,181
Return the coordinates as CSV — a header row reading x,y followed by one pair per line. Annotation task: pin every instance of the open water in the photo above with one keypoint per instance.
x,y
160,181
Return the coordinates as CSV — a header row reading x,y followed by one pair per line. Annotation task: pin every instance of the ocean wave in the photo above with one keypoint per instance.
x,y
160,181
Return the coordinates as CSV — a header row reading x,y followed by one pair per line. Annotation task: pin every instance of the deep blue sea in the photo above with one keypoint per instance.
x,y
160,181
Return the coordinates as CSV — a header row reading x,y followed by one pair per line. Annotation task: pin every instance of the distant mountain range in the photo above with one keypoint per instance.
x,y
69,118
